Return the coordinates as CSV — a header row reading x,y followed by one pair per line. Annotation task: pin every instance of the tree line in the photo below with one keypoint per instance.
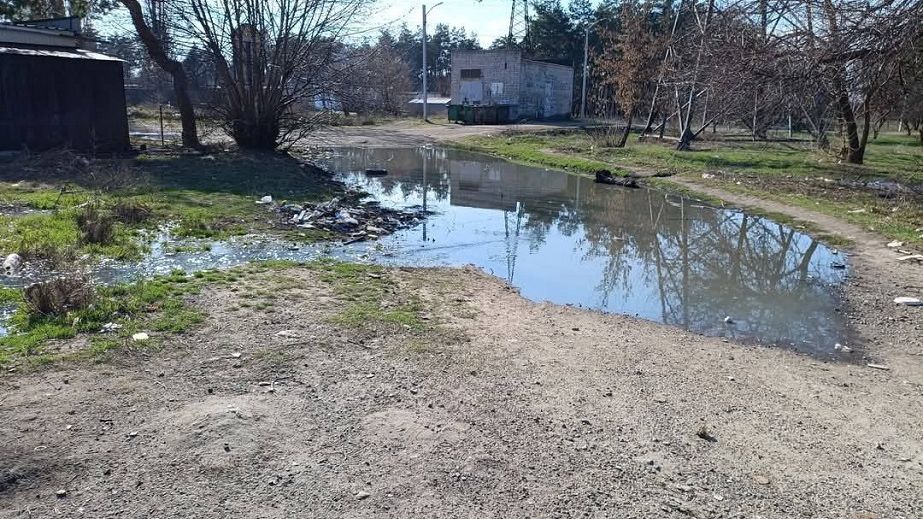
x,y
830,68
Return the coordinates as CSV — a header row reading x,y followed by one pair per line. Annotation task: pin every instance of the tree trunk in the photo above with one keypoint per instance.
x,y
171,66
629,119
853,151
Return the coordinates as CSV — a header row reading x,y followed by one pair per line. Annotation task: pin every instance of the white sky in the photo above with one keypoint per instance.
x,y
489,19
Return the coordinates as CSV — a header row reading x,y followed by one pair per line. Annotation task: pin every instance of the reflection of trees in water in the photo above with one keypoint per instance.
x,y
705,263
702,263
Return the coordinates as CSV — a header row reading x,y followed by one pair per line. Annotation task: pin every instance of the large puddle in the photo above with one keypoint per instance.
x,y
641,252
565,239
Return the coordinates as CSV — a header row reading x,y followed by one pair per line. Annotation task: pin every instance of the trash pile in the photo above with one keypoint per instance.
x,y
348,216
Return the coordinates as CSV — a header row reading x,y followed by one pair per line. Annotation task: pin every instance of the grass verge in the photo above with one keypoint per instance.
x,y
788,172
209,196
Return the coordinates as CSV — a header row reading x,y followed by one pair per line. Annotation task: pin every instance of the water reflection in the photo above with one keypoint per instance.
x,y
642,252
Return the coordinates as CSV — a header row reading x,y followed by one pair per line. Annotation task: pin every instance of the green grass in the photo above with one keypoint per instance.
x,y
365,289
158,305
204,197
788,172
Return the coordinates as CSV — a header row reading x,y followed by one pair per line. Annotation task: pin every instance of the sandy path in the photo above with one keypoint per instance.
x,y
507,409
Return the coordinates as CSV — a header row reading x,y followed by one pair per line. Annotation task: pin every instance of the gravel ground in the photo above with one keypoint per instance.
x,y
498,407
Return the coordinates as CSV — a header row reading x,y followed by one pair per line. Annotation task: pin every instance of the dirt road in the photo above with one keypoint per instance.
x,y
499,408
485,405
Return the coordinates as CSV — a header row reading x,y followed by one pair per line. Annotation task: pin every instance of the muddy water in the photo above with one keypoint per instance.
x,y
641,252
564,239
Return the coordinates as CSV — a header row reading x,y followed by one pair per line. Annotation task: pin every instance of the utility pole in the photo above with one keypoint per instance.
x,y
425,68
586,66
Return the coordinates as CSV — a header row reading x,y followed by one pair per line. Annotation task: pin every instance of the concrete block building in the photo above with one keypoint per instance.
x,y
532,89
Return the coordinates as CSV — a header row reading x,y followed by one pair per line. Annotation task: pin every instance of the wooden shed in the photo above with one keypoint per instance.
x,y
55,94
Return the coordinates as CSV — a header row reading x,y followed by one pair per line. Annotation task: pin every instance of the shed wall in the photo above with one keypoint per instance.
x,y
497,68
547,90
49,102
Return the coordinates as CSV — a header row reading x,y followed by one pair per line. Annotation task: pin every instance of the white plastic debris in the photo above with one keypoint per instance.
x,y
12,264
111,327
138,337
265,200
909,301
894,244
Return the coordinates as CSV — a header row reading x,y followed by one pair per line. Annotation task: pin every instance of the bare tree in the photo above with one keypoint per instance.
x,y
629,60
157,49
272,58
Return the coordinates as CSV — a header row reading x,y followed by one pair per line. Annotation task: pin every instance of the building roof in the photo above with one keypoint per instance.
x,y
57,53
430,100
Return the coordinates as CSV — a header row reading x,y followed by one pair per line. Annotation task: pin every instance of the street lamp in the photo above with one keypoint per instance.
x,y
425,71
586,66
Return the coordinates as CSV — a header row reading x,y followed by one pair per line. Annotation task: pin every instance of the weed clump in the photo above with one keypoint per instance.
x,y
131,211
58,296
95,226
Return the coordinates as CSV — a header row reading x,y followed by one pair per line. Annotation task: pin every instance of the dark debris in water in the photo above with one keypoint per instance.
x,y
350,217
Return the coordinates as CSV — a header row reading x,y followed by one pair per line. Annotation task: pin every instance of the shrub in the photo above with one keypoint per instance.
x,y
131,211
58,296
95,226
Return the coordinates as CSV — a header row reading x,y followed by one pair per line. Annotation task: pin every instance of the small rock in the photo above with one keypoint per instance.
x,y
761,480
705,435
236,355
908,301
61,493
362,495
139,337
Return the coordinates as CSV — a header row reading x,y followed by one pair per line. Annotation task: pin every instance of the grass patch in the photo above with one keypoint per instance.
x,y
370,297
158,305
98,207
790,172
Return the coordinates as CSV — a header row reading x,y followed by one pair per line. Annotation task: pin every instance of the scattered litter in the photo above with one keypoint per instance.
x,y
12,264
856,211
141,336
346,215
604,176
728,320
707,176
111,327
265,200
878,366
894,244
841,348
908,301
837,265
288,333
911,257
236,354
376,172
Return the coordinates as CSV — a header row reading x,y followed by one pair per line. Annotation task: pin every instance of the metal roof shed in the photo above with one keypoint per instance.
x,y
56,95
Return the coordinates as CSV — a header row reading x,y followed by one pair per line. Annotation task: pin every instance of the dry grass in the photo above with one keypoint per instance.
x,y
58,296
95,226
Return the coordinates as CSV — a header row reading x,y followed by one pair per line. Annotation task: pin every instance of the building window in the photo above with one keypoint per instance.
x,y
496,89
470,73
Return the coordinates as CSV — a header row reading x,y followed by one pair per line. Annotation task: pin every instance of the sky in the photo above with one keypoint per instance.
x,y
489,19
